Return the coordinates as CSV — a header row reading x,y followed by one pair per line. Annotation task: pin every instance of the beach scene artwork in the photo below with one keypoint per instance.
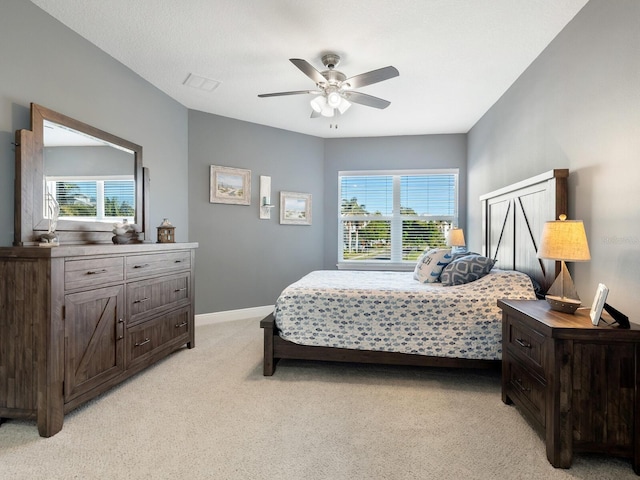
x,y
295,208
230,185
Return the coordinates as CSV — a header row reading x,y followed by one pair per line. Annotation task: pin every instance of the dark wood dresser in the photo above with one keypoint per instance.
x,y
577,382
77,320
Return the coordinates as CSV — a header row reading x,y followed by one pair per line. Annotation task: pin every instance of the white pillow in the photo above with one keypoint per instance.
x,y
431,263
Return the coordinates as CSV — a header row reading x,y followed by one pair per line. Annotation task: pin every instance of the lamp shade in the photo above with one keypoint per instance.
x,y
564,240
455,238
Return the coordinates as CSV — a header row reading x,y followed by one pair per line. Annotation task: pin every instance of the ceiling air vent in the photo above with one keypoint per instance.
x,y
201,83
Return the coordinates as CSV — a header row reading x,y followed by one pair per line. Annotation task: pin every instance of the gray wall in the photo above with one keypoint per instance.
x,y
408,152
578,107
244,261
46,63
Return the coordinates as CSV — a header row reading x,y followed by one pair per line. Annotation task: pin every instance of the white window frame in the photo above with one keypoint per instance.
x,y
100,216
395,263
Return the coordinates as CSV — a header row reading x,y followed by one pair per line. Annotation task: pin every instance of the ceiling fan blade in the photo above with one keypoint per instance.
x,y
374,76
281,94
314,114
308,70
368,100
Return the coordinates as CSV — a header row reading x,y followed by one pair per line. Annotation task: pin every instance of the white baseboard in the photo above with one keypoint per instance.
x,y
231,315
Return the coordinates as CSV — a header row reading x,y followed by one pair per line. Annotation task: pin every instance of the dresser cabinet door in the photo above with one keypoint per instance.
x,y
94,332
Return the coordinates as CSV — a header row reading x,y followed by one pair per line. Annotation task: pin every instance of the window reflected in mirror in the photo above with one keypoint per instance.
x,y
91,179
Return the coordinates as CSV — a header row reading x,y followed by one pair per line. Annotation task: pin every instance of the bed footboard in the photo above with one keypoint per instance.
x,y
276,348
268,324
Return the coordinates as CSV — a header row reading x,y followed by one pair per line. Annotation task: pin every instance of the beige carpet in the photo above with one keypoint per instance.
x,y
209,413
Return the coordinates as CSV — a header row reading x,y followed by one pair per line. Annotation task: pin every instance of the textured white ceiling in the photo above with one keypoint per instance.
x,y
455,57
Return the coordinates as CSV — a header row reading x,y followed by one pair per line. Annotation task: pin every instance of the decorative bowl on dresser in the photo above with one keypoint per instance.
x,y
577,382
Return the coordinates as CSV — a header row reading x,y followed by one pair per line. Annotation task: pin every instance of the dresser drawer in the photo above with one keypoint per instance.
x,y
528,345
82,273
529,391
145,298
138,266
166,332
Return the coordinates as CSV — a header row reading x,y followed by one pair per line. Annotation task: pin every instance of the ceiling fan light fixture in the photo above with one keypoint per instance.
x,y
318,103
335,92
344,105
327,111
334,99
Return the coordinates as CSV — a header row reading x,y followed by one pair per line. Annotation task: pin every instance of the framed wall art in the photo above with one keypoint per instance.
x,y
295,208
230,185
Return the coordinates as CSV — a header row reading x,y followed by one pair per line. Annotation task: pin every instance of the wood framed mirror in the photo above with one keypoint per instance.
x,y
97,179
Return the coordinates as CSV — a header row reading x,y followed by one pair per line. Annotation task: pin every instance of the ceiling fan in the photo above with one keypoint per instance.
x,y
335,92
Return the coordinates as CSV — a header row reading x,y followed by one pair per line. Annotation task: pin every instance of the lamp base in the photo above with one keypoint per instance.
x,y
563,304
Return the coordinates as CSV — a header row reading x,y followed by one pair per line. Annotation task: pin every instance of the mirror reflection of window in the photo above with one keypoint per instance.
x,y
90,179
97,198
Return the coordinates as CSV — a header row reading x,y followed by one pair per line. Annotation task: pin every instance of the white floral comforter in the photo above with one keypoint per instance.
x,y
390,311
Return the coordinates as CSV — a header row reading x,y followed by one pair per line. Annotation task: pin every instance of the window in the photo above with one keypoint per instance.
x,y
388,218
94,198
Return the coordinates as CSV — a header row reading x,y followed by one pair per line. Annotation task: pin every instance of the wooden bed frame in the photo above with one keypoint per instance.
x,y
512,221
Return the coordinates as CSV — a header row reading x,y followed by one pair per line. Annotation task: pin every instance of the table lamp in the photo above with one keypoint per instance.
x,y
565,241
455,238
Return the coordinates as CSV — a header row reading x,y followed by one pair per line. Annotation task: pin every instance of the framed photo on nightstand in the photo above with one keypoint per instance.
x,y
598,303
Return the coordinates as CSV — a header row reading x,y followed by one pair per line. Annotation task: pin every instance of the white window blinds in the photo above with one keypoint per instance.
x,y
109,198
391,217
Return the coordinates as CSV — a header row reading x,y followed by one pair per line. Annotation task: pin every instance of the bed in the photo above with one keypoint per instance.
x,y
390,318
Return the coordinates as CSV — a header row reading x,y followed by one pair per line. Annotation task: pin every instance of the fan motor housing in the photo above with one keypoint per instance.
x,y
334,76
330,60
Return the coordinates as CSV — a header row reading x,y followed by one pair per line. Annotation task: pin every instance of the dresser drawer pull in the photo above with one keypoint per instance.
x,y
177,261
141,266
144,342
522,343
180,289
96,272
518,383
142,300
180,325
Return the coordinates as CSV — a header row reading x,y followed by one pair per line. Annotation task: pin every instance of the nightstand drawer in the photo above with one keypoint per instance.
x,y
528,345
529,391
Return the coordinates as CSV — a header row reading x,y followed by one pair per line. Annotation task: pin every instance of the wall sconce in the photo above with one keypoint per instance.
x,y
566,241
265,197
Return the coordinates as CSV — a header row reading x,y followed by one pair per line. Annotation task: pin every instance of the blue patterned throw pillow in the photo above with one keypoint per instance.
x,y
466,269
430,265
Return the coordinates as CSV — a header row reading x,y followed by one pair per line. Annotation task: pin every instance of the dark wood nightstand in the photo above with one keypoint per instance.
x,y
577,382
